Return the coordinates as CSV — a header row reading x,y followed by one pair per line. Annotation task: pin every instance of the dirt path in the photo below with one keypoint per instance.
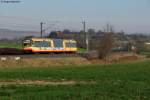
x,y
42,82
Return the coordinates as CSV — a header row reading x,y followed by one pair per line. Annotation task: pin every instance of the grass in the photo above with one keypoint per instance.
x,y
10,45
81,50
114,82
146,53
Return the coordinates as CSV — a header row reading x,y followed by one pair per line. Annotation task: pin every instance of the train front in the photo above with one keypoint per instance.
x,y
27,45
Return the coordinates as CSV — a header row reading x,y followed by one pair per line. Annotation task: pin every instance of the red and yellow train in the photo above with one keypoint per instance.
x,y
47,45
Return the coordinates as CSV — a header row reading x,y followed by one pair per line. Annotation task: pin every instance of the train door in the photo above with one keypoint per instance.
x,y
58,45
67,46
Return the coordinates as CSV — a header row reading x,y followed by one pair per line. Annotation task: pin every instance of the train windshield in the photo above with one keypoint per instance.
x,y
26,43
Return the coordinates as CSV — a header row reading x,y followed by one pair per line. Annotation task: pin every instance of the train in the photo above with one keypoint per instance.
x,y
49,45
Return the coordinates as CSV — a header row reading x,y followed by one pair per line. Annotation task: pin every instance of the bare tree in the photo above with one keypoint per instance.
x,y
105,45
139,44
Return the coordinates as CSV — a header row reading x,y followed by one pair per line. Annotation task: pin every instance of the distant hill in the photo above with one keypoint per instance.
x,y
10,34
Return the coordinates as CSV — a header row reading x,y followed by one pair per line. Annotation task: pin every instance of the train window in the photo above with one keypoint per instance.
x,y
26,43
58,43
41,44
69,44
46,44
73,45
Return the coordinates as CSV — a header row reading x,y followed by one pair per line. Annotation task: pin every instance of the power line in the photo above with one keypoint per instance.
x,y
50,26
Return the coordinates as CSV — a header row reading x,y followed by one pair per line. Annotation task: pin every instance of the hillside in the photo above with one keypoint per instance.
x,y
10,34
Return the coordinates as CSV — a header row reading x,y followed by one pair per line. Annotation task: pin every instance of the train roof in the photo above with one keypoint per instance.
x,y
40,39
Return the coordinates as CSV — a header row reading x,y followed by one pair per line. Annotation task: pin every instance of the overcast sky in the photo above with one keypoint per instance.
x,y
128,15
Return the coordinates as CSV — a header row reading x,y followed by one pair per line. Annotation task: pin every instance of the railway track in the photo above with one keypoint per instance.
x,y
42,55
13,53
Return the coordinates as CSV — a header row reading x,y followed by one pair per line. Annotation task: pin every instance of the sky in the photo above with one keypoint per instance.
x,y
129,15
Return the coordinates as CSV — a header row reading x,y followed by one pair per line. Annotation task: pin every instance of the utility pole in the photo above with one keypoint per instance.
x,y
107,28
41,29
86,36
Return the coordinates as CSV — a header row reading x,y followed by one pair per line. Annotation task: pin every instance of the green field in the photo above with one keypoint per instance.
x,y
111,82
10,45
